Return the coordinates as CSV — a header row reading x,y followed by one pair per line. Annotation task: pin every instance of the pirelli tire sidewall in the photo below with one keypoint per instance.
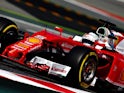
x,y
78,57
6,26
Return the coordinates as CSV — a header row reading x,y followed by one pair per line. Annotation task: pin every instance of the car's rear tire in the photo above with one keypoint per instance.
x,y
8,32
83,62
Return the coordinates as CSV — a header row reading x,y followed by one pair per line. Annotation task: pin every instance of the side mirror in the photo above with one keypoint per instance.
x,y
59,29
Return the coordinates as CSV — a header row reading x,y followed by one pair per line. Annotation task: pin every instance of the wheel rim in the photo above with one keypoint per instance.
x,y
89,70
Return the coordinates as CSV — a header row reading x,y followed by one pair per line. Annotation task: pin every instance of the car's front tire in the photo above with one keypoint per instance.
x,y
8,32
83,62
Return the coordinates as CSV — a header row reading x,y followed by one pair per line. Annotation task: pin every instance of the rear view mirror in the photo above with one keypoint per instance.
x,y
59,29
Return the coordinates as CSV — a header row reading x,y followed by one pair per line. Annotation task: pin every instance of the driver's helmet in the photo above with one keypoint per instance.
x,y
103,33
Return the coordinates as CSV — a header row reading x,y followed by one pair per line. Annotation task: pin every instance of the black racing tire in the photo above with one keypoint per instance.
x,y
8,32
83,62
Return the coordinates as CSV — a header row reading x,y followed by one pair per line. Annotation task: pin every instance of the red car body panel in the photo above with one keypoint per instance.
x,y
35,42
113,71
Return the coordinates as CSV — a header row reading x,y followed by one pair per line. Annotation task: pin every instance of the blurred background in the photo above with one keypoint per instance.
x,y
75,16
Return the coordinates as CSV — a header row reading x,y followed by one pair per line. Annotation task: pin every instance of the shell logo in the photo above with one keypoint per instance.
x,y
34,40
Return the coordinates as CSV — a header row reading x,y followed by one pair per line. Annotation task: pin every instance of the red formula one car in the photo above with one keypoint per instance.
x,y
54,55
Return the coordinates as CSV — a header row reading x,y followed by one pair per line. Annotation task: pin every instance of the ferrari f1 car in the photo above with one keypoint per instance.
x,y
67,58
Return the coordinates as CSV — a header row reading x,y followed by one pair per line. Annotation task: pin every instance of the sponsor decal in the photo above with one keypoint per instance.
x,y
58,69
54,68
34,40
22,45
40,37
